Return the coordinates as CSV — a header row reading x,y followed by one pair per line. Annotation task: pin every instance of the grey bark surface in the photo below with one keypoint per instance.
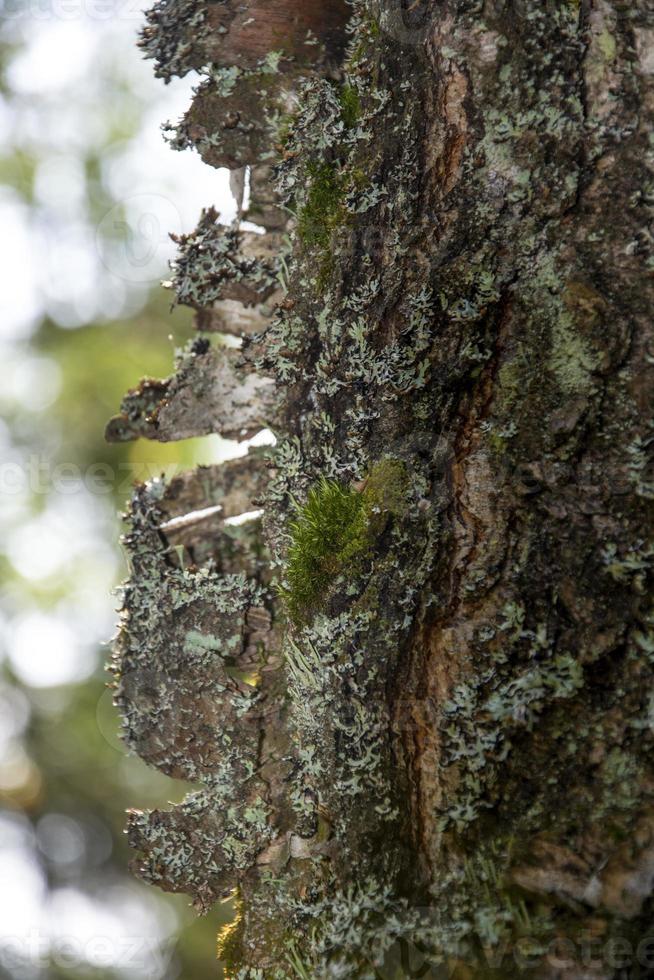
x,y
443,765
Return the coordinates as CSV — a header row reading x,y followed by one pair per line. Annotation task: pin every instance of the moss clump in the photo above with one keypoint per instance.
x,y
334,532
328,537
350,106
323,210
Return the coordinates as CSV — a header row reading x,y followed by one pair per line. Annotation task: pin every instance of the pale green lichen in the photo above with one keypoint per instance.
x,y
571,359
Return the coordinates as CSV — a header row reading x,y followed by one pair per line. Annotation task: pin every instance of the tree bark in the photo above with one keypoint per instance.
x,y
415,682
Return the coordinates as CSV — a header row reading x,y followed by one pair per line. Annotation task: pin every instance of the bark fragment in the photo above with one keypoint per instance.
x,y
210,392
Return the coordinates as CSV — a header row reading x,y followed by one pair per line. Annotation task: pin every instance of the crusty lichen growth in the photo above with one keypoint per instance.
x,y
210,391
216,262
173,28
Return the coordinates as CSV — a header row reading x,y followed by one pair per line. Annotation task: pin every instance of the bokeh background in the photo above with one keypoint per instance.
x,y
88,193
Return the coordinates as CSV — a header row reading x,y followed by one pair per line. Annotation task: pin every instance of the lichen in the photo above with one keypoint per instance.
x,y
211,265
173,27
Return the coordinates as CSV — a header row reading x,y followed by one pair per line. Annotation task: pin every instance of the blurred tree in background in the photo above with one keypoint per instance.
x,y
88,194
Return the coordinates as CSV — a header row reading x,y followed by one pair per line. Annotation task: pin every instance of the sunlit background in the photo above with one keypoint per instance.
x,y
88,193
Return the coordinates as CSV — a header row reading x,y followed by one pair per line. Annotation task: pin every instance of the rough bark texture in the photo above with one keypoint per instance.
x,y
415,682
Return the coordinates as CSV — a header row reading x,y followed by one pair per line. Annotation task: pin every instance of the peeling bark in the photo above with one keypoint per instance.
x,y
209,393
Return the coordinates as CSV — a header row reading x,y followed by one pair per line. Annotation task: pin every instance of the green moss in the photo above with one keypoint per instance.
x,y
284,125
350,105
329,536
373,27
323,210
334,532
571,359
512,379
607,45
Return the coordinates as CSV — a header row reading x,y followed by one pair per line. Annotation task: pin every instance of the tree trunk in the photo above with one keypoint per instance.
x,y
415,681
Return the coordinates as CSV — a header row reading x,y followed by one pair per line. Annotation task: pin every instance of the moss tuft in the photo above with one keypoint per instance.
x,y
335,531
323,210
329,536
350,105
